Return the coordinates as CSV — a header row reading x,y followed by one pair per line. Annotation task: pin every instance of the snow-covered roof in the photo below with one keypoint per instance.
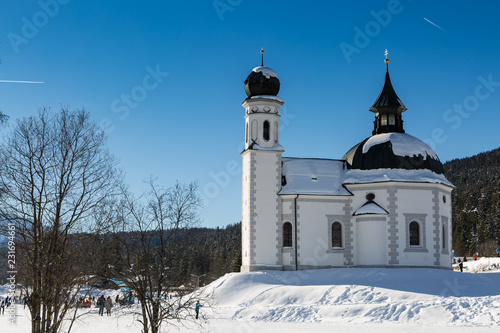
x,y
276,98
370,207
402,145
313,176
355,176
268,72
326,177
276,146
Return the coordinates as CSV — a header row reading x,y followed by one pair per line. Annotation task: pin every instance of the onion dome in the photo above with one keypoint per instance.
x,y
262,81
393,151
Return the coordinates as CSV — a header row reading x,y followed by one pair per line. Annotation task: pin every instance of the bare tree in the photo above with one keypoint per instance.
x,y
57,182
158,221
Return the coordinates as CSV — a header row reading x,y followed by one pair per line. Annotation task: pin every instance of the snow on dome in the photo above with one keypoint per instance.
x,y
355,176
402,145
268,72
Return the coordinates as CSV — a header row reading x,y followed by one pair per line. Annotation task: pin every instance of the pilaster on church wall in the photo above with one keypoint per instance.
x,y
265,199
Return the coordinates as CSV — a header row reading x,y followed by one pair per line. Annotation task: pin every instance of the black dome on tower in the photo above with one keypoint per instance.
x,y
393,151
262,81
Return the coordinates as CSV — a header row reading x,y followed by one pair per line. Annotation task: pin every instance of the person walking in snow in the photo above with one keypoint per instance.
x,y
461,266
2,307
109,305
498,252
101,303
197,308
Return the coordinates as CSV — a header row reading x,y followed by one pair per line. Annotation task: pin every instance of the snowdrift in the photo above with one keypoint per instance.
x,y
362,295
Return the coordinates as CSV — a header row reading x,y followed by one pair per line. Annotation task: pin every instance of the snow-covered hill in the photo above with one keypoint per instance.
x,y
363,295
342,300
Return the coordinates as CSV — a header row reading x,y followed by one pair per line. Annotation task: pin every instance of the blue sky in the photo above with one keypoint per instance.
x,y
166,77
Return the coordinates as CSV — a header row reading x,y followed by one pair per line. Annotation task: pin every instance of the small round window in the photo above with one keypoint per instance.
x,y
370,196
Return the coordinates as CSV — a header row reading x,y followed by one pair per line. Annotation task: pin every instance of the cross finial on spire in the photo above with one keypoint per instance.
x,y
386,60
262,59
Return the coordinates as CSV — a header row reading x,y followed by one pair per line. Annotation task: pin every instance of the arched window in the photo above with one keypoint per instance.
x,y
287,234
414,234
392,119
266,130
253,130
336,234
383,120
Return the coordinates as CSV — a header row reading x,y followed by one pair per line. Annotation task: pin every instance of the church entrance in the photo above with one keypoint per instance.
x,y
371,243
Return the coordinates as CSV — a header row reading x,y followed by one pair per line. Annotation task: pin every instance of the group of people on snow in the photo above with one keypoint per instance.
x,y
5,304
104,303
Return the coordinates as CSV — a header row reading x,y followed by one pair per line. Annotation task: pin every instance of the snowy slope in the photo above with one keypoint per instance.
x,y
341,300
362,295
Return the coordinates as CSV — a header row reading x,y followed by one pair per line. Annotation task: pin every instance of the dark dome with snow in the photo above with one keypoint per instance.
x,y
393,151
262,81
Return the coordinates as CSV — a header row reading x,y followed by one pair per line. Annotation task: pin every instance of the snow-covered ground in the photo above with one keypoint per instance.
x,y
341,300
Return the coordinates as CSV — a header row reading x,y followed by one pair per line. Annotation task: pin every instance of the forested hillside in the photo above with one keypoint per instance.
x,y
204,255
209,253
476,203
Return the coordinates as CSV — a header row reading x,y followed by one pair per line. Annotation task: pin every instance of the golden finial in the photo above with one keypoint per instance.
x,y
262,60
386,53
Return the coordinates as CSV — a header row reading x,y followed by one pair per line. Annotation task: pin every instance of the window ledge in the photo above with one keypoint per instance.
x,y
415,249
335,250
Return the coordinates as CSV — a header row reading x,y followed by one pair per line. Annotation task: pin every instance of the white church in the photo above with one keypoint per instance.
x,y
386,203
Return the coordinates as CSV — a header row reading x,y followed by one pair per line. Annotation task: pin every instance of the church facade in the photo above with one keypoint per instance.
x,y
386,203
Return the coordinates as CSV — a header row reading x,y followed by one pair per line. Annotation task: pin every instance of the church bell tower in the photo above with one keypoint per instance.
x,y
261,174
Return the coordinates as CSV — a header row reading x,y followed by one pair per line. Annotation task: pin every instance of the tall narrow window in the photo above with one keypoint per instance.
x,y
253,130
392,119
287,234
414,234
266,130
276,138
383,120
336,234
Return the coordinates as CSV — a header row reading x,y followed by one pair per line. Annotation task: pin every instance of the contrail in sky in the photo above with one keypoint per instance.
x,y
434,24
20,81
